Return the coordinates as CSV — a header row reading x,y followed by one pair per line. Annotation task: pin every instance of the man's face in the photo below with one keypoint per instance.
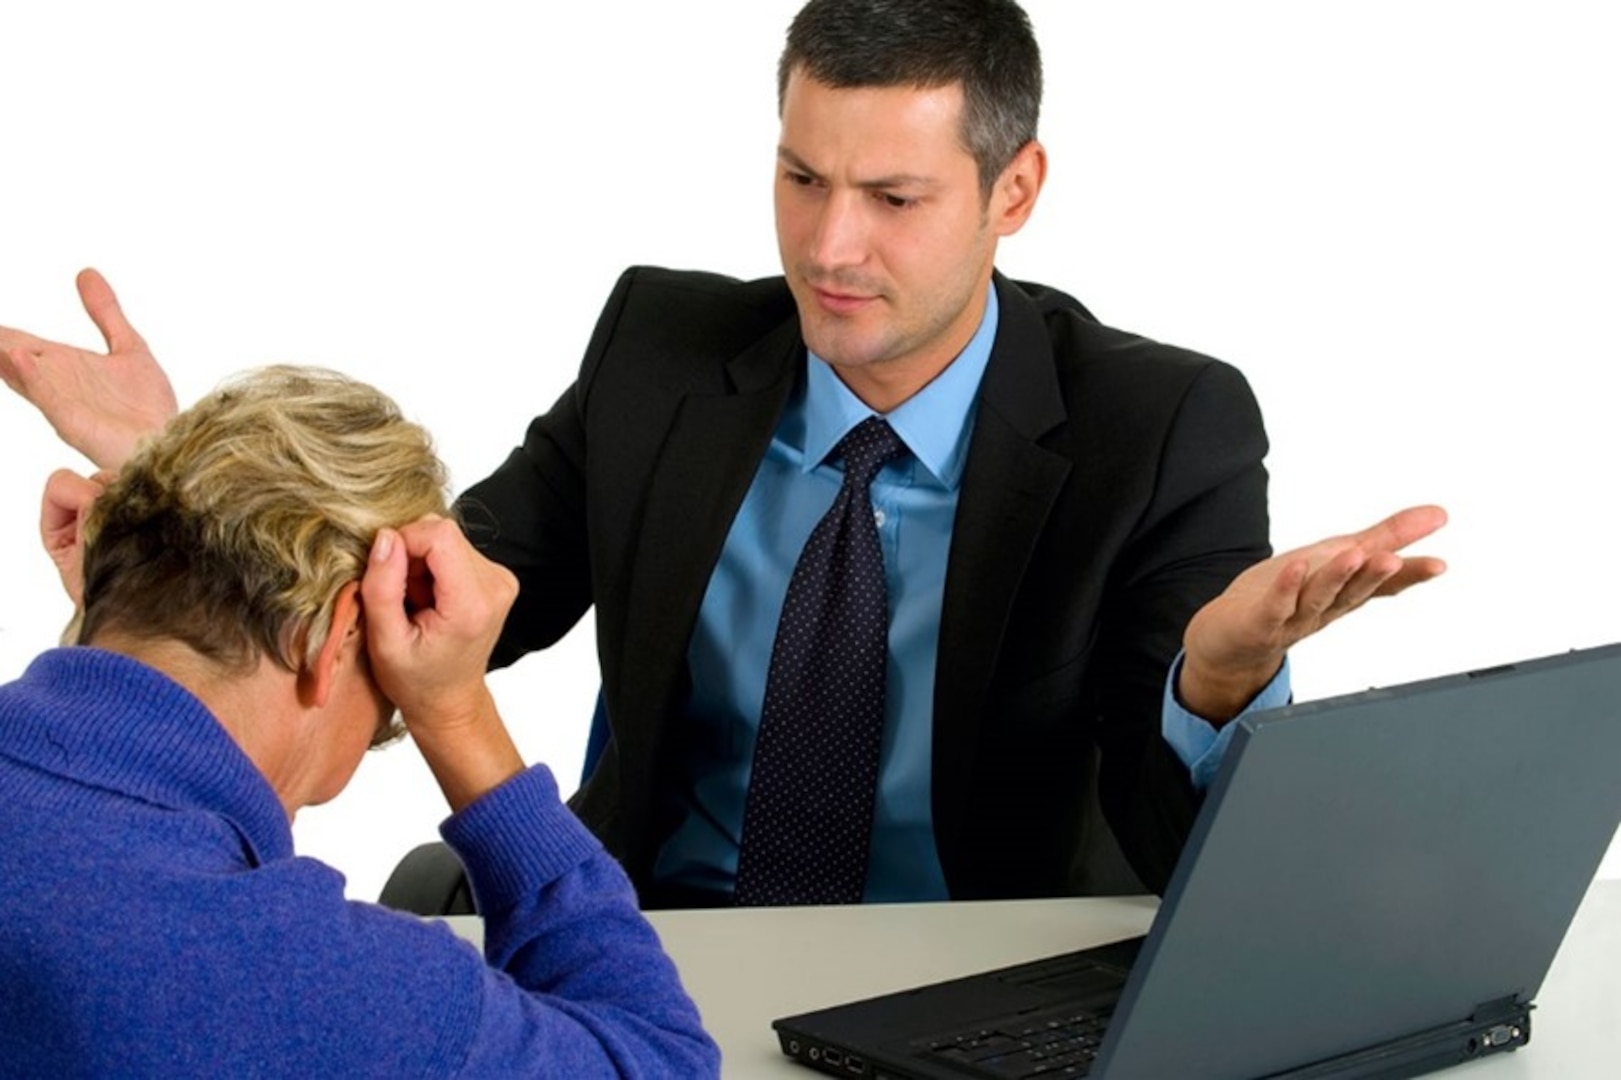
x,y
885,237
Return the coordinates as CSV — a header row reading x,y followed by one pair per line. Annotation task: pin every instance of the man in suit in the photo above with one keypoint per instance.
x,y
1072,504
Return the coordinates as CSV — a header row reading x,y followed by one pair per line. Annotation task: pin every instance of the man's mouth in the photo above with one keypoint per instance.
x,y
841,302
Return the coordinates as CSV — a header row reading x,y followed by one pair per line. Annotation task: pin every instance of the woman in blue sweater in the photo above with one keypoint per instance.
x,y
260,589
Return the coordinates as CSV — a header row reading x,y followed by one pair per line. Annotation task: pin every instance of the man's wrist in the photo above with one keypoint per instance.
x,y
1218,694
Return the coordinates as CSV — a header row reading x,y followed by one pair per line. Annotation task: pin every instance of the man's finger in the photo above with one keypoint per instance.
x,y
17,362
1415,571
1363,585
102,305
9,374
1282,598
1323,588
1402,528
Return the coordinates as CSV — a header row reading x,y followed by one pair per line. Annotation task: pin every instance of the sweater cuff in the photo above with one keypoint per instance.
x,y
517,839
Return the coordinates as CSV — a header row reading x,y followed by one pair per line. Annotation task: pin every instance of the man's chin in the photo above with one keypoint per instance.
x,y
843,356
842,342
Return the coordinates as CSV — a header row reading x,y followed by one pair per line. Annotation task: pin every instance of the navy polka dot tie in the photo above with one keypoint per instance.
x,y
807,822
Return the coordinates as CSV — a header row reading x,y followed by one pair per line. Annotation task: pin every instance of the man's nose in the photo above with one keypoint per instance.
x,y
840,239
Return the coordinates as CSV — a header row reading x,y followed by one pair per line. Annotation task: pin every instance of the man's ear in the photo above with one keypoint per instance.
x,y
343,641
1013,199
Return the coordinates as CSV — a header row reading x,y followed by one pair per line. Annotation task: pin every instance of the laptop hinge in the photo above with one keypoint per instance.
x,y
1496,1026
1498,1009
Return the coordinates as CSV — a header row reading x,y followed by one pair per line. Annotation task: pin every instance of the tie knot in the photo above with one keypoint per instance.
x,y
865,449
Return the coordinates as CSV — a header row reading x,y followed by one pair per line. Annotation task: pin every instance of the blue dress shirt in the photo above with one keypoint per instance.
x,y
914,502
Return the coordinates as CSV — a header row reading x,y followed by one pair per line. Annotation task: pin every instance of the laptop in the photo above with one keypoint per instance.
x,y
1375,886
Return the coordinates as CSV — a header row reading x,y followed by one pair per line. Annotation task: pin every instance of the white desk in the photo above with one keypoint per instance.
x,y
747,967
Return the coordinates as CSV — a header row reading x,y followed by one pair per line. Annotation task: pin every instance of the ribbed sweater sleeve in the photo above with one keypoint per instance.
x,y
577,976
155,921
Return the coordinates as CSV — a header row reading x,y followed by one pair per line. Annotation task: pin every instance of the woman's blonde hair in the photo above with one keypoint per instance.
x,y
234,528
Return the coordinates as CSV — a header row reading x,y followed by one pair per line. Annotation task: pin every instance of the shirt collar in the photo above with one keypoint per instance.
x,y
934,423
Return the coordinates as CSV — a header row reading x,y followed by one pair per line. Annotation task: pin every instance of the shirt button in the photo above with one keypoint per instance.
x,y
878,518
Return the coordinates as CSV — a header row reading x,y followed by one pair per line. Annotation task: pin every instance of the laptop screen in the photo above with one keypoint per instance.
x,y
1371,866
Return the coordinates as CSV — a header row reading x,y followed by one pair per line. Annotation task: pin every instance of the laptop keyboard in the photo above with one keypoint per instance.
x,y
1058,1044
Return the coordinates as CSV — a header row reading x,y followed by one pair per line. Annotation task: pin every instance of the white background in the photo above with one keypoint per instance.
x,y
1398,217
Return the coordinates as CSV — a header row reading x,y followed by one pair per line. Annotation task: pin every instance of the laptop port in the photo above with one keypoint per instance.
x,y
834,1058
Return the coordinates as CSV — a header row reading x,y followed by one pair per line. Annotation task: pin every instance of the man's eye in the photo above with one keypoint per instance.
x,y
896,202
799,179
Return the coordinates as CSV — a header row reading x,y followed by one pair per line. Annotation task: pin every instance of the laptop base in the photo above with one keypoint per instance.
x,y
1495,1027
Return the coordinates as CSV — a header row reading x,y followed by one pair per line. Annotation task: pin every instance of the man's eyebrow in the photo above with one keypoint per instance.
x,y
877,183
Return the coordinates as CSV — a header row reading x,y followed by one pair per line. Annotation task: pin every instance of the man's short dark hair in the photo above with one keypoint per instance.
x,y
987,46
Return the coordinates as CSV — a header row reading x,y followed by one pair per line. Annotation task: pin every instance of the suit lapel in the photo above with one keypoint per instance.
x,y
1009,487
703,470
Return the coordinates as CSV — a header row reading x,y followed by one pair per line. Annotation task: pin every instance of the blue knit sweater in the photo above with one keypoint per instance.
x,y
154,920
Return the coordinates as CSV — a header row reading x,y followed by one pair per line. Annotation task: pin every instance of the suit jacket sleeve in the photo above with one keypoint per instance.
x,y
1114,485
530,514
1205,523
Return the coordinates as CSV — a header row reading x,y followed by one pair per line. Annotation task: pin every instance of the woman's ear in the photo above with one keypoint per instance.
x,y
344,640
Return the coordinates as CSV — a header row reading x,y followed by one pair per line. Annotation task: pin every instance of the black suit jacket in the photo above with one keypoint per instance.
x,y
1113,486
